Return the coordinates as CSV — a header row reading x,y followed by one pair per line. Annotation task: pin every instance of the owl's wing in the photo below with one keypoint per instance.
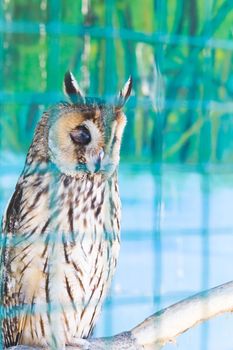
x,y
9,221
12,211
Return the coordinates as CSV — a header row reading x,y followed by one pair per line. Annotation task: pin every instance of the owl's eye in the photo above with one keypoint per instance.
x,y
81,135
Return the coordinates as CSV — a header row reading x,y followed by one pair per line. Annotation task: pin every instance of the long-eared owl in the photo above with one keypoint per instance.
x,y
60,232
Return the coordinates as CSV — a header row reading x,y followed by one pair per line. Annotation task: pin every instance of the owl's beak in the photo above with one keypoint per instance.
x,y
94,165
99,161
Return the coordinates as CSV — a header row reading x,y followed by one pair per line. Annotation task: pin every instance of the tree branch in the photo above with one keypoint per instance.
x,y
164,326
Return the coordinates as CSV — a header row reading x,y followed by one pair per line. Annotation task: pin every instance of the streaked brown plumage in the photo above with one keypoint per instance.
x,y
61,228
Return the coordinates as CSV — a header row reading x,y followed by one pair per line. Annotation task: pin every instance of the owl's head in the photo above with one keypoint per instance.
x,y
85,135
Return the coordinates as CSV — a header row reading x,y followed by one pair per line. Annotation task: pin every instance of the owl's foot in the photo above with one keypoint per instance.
x,y
80,343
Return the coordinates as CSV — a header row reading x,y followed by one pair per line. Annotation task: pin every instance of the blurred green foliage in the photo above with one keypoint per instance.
x,y
177,49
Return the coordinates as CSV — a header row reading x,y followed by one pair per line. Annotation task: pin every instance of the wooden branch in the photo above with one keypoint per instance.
x,y
164,326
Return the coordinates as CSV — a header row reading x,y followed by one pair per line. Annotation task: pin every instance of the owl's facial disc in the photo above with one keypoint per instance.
x,y
89,143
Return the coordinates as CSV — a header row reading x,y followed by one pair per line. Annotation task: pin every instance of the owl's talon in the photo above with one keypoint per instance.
x,y
80,343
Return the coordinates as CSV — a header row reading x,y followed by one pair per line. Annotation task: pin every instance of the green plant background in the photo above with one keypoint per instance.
x,y
179,53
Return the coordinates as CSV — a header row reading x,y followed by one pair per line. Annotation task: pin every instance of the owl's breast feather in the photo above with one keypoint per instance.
x,y
71,245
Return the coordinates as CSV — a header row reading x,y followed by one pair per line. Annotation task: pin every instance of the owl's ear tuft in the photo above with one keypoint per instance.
x,y
124,94
72,89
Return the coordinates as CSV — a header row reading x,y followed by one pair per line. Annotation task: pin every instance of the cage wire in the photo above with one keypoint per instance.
x,y
177,150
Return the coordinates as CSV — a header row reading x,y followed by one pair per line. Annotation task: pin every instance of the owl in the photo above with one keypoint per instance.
x,y
61,229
